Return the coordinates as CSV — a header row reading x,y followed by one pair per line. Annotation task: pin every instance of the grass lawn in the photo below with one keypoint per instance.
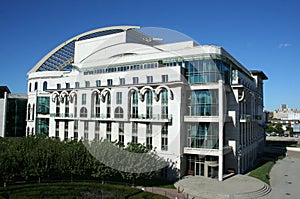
x,y
262,172
78,190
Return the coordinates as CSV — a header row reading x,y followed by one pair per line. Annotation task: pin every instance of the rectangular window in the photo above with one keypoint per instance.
x,y
43,104
67,85
58,86
83,99
97,126
75,130
98,83
87,84
164,137
134,132
67,109
122,81
109,82
66,130
86,130
97,131
108,131
149,135
76,84
135,80
121,134
43,126
57,129
119,98
149,79
57,110
165,78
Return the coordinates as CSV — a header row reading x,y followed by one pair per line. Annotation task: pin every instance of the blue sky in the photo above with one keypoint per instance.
x,y
261,34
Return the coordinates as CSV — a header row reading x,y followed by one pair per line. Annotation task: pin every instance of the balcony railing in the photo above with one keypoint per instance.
x,y
151,116
62,115
208,142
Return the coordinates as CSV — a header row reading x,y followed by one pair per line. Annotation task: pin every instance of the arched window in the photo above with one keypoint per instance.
x,y
75,105
95,105
35,86
32,131
29,89
108,105
119,113
149,102
45,86
164,104
134,104
28,112
83,112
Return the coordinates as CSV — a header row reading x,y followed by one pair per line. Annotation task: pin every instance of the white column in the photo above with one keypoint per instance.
x,y
3,114
221,126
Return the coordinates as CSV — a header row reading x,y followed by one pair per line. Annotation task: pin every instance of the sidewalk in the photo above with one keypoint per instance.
x,y
170,193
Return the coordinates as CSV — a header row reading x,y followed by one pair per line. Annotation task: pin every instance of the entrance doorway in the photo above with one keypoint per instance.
x,y
199,168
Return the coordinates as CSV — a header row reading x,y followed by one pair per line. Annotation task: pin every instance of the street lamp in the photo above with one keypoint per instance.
x,y
239,154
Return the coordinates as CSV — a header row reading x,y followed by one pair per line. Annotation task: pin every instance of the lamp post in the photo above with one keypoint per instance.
x,y
239,154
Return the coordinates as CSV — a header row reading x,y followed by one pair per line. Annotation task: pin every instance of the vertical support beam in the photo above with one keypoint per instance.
x,y
221,127
3,122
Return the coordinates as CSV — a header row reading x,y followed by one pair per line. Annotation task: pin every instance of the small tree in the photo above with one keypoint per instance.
x,y
278,129
270,128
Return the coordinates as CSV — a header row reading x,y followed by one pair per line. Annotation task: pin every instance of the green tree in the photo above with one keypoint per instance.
x,y
279,129
270,128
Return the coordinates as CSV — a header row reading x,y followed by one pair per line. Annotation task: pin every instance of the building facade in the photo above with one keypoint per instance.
x,y
198,106
12,113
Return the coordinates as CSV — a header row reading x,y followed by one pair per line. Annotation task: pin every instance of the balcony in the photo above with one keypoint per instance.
x,y
190,118
201,151
151,117
206,151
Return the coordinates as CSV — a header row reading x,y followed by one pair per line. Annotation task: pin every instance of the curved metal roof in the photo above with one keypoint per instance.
x,y
62,56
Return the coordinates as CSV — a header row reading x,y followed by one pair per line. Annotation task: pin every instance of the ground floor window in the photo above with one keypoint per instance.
x,y
43,126
76,130
57,129
86,130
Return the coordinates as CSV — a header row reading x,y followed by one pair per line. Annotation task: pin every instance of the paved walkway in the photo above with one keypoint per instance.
x,y
170,193
285,177
238,186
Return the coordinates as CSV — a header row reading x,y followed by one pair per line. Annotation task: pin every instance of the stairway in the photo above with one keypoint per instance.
x,y
260,193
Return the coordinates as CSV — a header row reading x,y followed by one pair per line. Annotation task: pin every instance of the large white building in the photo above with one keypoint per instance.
x,y
197,105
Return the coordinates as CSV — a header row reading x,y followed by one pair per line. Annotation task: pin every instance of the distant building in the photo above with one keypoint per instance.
x,y
12,113
285,113
296,128
196,104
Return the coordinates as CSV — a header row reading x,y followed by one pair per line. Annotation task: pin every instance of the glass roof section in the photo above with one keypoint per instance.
x,y
61,58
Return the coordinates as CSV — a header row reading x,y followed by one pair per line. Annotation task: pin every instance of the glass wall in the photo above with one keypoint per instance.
x,y
15,124
207,70
204,103
203,135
